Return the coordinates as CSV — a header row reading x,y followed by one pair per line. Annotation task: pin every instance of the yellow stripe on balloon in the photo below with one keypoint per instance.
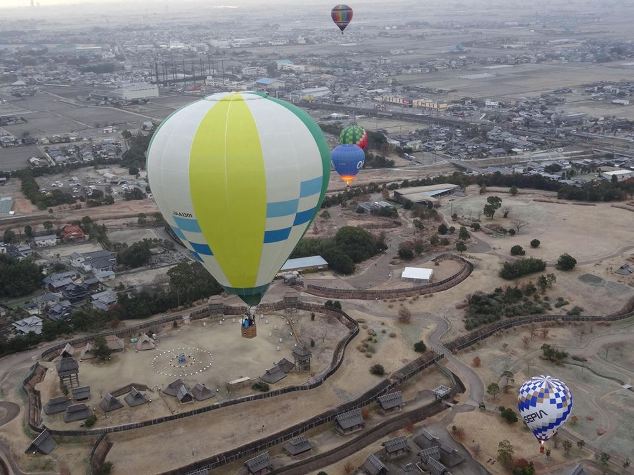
x,y
228,188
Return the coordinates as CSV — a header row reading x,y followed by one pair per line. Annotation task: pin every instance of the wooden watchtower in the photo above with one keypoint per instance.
x,y
68,372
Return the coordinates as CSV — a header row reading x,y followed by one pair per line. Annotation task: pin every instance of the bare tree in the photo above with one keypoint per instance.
x,y
506,210
518,224
526,340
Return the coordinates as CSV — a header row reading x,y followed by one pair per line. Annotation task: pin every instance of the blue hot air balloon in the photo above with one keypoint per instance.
x,y
348,159
545,404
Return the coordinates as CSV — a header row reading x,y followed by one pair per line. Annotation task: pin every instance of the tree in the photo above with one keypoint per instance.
x,y
495,201
142,219
28,231
523,467
101,350
90,421
434,240
377,370
508,415
48,225
136,255
513,190
463,234
535,243
519,224
9,236
567,445
420,347
604,458
521,267
493,390
517,250
443,229
505,211
18,278
489,211
406,250
566,262
418,224
454,217
475,226
476,362
505,453
553,354
461,247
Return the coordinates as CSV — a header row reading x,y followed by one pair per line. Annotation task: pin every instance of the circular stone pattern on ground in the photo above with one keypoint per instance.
x,y
170,362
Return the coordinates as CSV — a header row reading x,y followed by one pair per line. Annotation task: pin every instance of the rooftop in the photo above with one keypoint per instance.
x,y
418,273
349,419
304,262
392,400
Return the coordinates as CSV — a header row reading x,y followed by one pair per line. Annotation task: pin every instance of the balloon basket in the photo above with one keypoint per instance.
x,y
249,332
541,448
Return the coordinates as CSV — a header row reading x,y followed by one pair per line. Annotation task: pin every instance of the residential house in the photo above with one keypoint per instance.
x,y
349,422
76,292
58,281
60,311
94,261
45,241
396,447
73,233
28,325
103,300
259,465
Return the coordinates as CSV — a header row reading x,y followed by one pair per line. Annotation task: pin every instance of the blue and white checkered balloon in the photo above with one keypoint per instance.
x,y
545,404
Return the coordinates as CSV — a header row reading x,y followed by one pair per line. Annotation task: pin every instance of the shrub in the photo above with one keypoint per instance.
x,y
406,250
475,226
105,469
377,370
260,386
521,267
420,347
517,250
511,232
404,315
566,262
535,243
463,234
508,415
443,229
90,421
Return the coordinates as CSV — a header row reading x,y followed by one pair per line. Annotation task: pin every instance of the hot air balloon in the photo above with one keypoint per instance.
x,y
348,159
545,404
239,177
341,15
354,134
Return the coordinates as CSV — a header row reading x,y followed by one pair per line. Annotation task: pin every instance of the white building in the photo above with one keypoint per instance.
x,y
135,91
28,325
45,241
417,274
621,175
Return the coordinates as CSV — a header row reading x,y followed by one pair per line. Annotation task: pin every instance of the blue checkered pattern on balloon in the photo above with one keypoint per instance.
x,y
188,231
545,390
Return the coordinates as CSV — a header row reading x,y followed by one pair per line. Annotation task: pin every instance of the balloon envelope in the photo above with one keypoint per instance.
x,y
341,15
545,404
354,134
239,177
348,159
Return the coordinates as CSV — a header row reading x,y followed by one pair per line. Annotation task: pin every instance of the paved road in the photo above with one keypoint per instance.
x,y
473,383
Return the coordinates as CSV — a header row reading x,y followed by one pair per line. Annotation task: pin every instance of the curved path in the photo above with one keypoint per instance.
x,y
473,383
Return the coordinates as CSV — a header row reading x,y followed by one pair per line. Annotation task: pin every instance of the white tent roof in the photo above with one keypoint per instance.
x,y
417,273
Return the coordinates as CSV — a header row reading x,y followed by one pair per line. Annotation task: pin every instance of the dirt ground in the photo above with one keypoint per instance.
x,y
561,226
603,409
232,357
